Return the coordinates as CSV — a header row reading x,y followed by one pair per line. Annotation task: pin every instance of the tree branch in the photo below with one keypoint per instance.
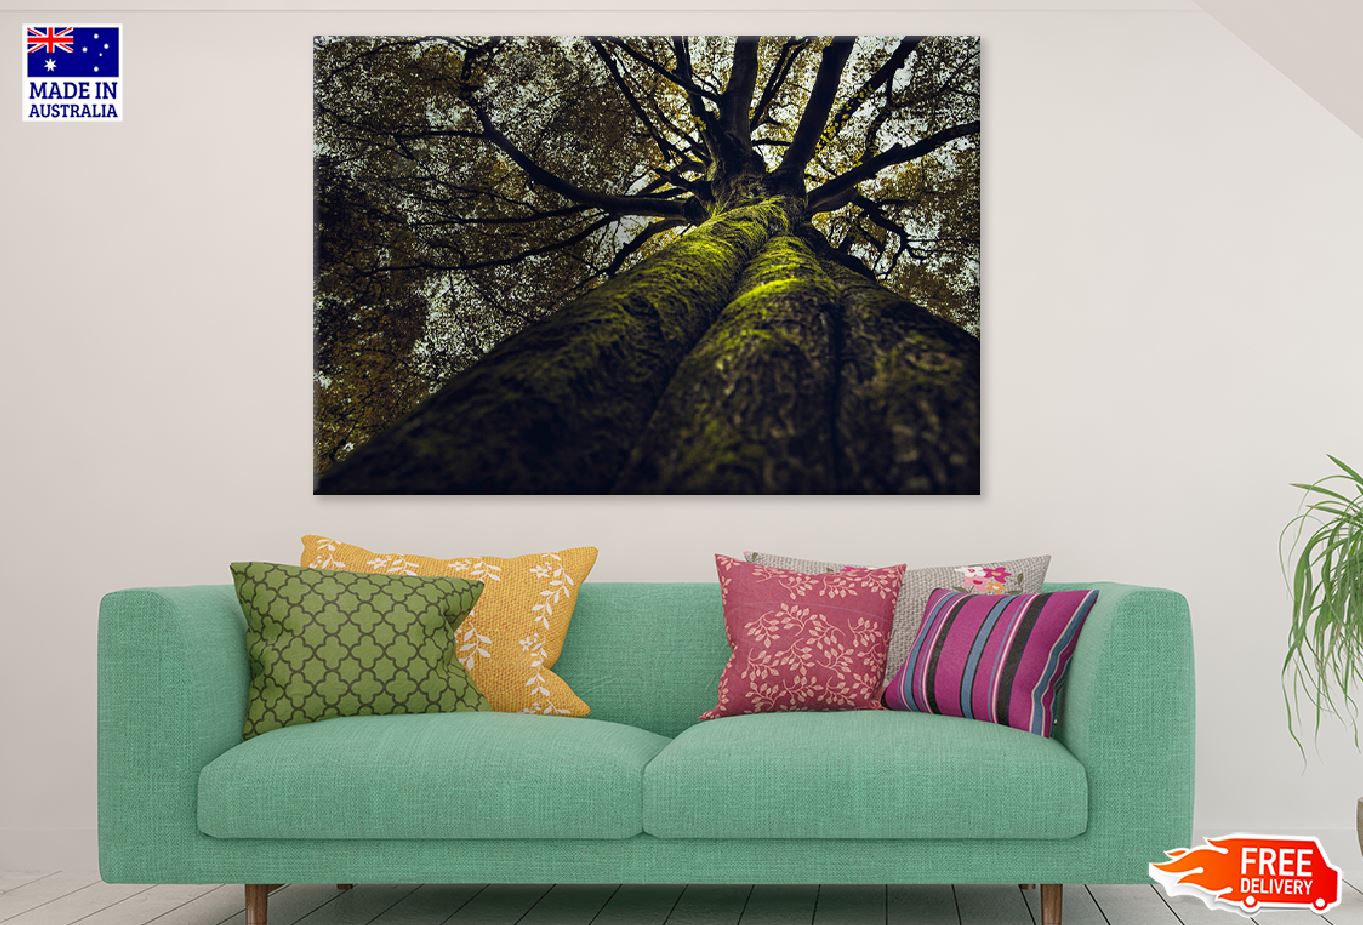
x,y
874,125
638,241
687,81
815,114
665,145
840,190
529,219
682,76
378,49
507,261
881,220
882,77
824,250
911,102
613,205
689,140
699,188
617,205
735,104
785,59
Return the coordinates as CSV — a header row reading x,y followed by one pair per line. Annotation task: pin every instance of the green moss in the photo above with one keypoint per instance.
x,y
750,408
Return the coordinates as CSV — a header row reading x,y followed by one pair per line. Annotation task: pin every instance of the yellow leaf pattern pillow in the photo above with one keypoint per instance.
x,y
511,640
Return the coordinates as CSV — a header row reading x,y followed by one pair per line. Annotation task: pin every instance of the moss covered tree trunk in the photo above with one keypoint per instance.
x,y
749,409
908,411
734,361
559,406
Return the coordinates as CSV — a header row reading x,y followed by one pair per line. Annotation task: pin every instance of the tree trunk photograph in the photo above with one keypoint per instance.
x,y
704,265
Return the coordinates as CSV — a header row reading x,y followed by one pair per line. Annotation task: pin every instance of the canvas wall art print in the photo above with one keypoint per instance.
x,y
705,265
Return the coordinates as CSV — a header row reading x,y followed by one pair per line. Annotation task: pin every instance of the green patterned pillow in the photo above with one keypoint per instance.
x,y
326,644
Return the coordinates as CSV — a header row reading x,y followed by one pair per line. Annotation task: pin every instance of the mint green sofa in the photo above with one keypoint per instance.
x,y
640,792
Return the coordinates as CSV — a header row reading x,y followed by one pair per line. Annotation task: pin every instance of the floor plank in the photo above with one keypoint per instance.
x,y
840,904
1286,917
1131,904
1078,907
35,898
498,904
1350,908
79,905
710,905
914,904
13,879
640,904
359,906
146,906
570,904
427,905
996,905
46,890
218,904
781,904
1191,910
287,904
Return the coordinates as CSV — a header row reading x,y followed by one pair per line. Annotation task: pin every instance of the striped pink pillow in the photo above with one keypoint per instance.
x,y
995,657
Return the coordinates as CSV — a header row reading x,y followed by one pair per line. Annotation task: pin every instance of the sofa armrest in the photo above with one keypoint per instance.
x,y
173,677
1127,715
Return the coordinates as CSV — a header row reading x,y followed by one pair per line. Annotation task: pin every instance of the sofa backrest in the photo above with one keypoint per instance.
x,y
648,654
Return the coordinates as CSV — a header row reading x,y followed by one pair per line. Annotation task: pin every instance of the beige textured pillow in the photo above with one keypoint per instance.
x,y
1008,577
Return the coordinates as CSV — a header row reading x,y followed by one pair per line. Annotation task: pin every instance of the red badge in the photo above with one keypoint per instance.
x,y
1246,873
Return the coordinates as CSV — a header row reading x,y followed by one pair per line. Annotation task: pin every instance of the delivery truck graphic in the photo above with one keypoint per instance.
x,y
1248,873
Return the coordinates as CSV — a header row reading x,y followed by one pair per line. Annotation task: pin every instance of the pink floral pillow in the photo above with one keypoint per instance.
x,y
804,642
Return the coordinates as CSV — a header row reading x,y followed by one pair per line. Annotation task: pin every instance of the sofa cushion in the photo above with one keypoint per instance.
x,y
863,774
803,642
992,657
450,775
323,644
511,640
1007,577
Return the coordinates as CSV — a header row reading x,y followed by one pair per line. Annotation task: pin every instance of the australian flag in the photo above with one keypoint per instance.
x,y
72,51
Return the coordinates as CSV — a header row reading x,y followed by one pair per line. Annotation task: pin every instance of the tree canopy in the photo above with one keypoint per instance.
x,y
468,188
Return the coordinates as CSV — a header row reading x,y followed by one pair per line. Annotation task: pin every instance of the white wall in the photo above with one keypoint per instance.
x,y
1314,42
1171,322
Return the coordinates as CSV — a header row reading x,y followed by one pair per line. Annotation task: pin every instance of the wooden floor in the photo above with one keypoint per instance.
x,y
64,898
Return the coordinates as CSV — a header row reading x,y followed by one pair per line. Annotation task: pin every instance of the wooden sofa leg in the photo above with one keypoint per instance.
x,y
1052,899
257,903
345,886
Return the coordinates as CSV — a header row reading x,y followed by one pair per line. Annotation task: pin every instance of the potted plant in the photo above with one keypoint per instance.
x,y
1322,549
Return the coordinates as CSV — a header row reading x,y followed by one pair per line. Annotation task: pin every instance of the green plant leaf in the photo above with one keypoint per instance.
x,y
1358,479
1321,549
1320,488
